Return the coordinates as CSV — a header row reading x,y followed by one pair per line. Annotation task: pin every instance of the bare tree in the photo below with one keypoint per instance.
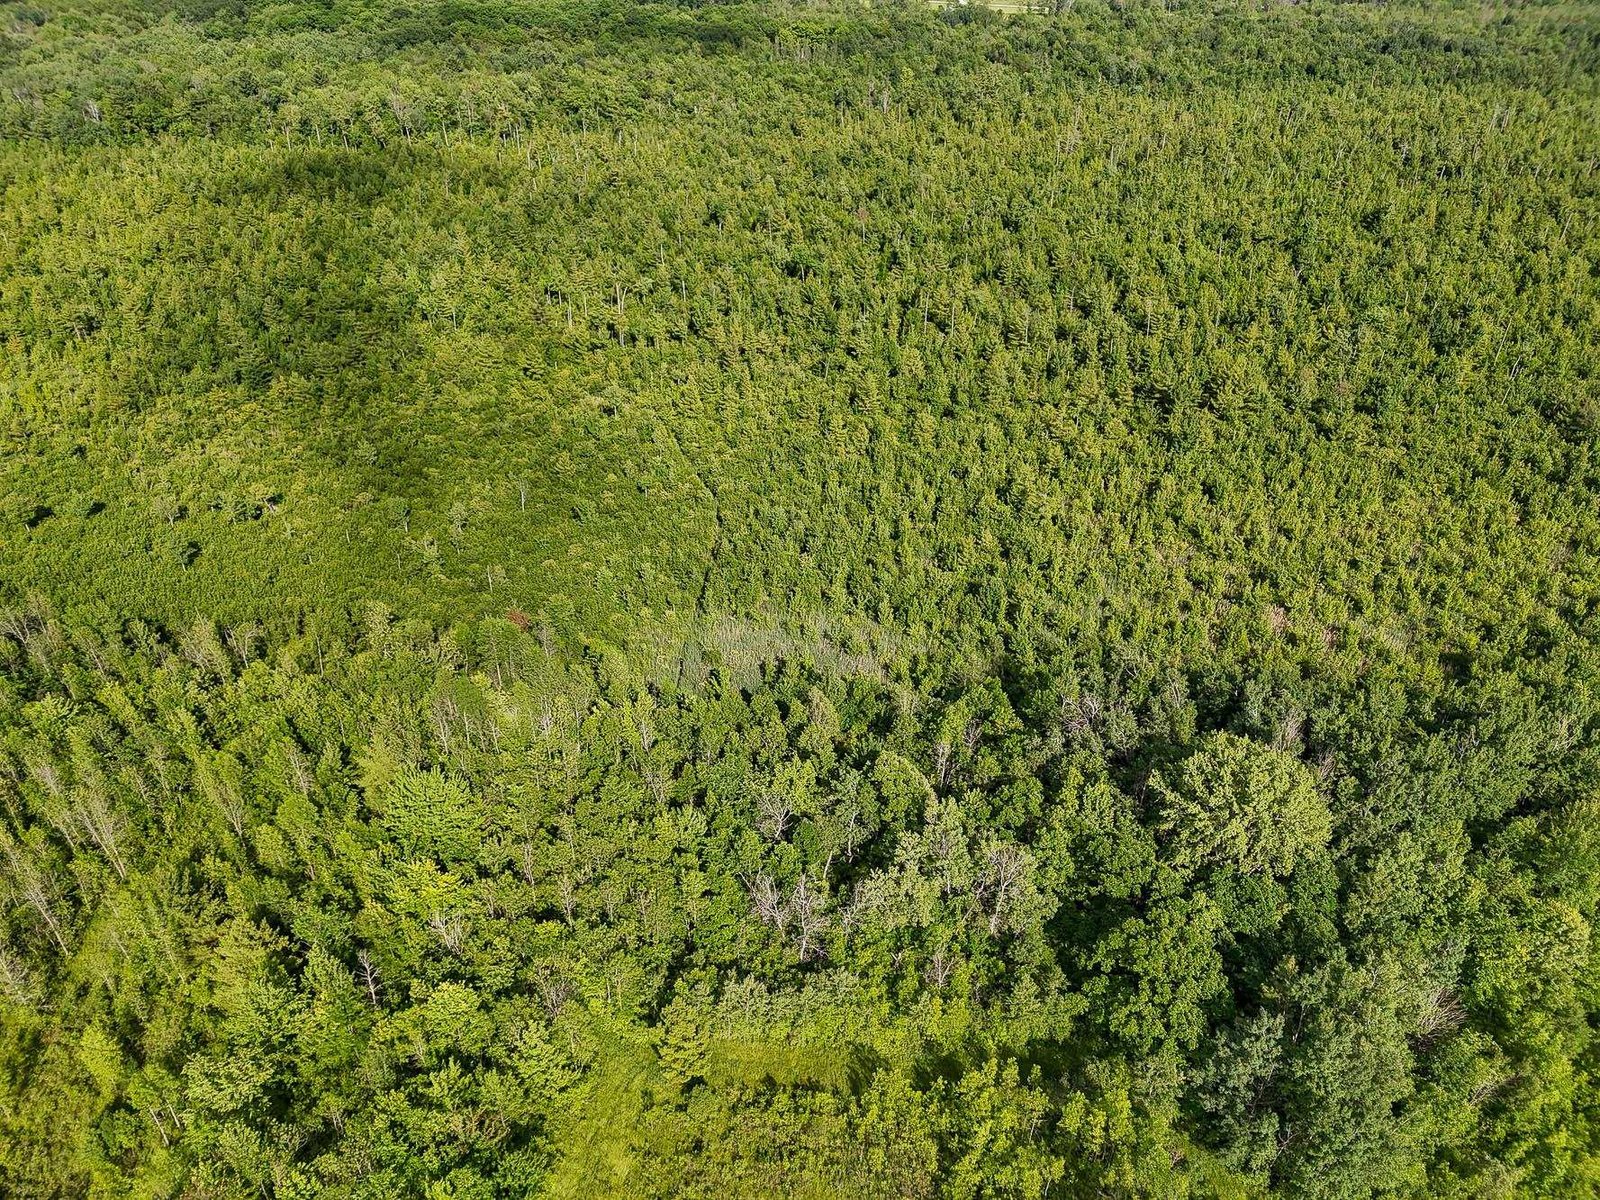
x,y
367,976
450,928
767,901
104,824
806,913
528,863
555,990
242,639
15,984
774,811
941,762
57,810
568,892
35,888
299,770
941,965
850,830
856,909
1001,874
1442,1011
656,780
946,846
225,795
42,770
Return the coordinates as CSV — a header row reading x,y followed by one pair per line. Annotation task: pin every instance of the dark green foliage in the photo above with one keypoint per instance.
x,y
671,600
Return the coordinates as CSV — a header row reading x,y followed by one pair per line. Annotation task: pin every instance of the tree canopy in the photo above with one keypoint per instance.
x,y
670,600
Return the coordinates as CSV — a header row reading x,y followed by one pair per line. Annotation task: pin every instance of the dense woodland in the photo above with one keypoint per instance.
x,y
606,599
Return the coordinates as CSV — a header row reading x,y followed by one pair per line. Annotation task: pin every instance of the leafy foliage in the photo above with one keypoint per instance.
x,y
712,601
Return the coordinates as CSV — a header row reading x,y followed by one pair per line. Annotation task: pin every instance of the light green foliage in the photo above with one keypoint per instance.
x,y
1235,803
606,599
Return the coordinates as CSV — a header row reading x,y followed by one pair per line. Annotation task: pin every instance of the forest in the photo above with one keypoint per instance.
x,y
781,599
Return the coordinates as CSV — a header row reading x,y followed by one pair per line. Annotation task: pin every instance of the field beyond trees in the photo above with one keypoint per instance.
x,y
606,599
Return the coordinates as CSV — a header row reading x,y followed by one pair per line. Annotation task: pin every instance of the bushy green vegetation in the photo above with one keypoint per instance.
x,y
608,599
